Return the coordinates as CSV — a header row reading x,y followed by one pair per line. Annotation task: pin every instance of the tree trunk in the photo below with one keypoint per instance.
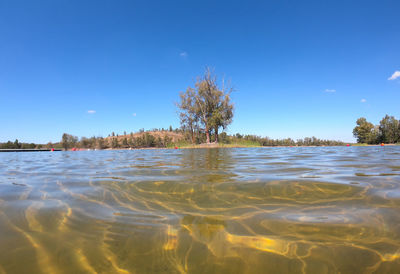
x,y
193,139
208,135
216,135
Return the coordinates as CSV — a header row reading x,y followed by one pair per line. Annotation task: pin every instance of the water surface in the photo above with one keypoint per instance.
x,y
256,210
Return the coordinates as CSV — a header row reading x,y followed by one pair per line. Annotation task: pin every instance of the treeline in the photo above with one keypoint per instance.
x,y
18,145
142,130
144,140
388,131
254,140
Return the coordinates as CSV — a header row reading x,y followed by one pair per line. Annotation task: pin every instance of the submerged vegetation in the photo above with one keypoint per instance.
x,y
388,131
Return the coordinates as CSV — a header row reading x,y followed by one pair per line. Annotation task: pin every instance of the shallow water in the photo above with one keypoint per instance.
x,y
255,210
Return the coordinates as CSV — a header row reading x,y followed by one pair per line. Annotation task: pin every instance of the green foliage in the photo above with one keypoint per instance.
x,y
68,141
223,138
17,145
388,131
363,130
100,143
253,140
114,142
205,108
125,142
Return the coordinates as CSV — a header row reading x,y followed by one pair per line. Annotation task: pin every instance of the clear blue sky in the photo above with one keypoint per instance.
x,y
300,68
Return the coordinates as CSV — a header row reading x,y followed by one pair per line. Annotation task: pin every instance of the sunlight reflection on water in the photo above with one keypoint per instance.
x,y
238,210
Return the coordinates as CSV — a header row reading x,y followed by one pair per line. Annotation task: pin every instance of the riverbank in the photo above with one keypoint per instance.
x,y
220,145
28,150
236,145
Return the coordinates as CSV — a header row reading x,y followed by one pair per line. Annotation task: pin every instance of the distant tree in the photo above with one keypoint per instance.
x,y
131,141
68,141
208,104
374,137
7,145
363,130
224,138
17,144
28,146
159,142
188,113
149,140
84,142
389,129
125,142
167,140
114,143
100,144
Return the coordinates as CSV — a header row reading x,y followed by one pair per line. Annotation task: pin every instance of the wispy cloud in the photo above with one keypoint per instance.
x,y
363,100
330,90
395,75
134,114
91,111
183,54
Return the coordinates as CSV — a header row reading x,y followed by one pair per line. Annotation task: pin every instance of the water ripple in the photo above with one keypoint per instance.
x,y
256,210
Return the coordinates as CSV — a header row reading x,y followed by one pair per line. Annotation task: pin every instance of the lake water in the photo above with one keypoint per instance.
x,y
240,210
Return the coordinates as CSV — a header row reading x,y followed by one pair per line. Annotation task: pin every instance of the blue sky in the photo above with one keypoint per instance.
x,y
299,68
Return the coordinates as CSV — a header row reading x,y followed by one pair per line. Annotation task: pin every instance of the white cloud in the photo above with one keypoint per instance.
x,y
395,75
91,111
183,54
363,100
330,90
134,114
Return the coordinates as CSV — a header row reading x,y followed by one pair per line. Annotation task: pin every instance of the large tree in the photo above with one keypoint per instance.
x,y
207,104
389,129
363,130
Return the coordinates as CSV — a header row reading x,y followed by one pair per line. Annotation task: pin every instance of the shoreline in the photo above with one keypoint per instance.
x,y
218,145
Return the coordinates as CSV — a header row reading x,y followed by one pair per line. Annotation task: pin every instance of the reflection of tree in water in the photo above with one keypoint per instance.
x,y
212,158
208,166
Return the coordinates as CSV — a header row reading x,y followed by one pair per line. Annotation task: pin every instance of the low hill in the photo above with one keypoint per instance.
x,y
174,136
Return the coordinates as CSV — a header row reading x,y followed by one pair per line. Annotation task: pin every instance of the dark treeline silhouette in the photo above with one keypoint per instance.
x,y
18,145
388,131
